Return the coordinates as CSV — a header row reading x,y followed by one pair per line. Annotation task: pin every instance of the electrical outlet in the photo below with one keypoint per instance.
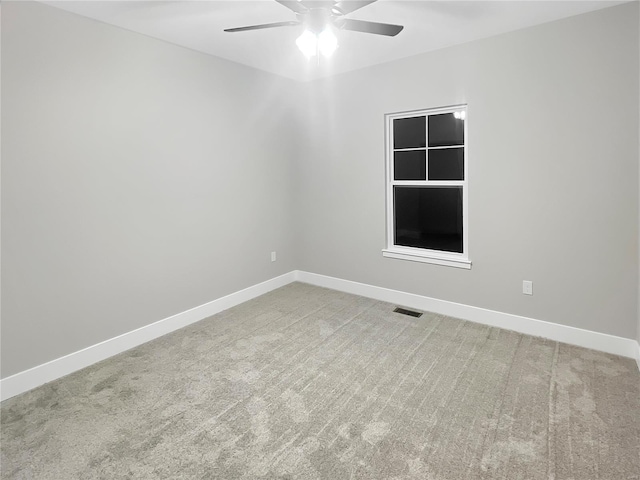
x,y
273,256
527,287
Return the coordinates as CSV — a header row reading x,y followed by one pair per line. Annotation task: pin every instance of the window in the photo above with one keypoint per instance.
x,y
426,160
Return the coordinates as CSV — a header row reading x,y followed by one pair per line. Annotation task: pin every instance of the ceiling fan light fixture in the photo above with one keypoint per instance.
x,y
307,43
327,42
310,44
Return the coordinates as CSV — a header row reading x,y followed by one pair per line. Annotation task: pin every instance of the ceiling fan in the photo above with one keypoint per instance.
x,y
320,19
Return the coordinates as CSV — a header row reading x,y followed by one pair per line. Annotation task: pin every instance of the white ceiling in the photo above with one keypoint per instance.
x,y
429,25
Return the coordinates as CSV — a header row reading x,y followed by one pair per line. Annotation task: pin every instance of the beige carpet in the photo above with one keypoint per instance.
x,y
311,383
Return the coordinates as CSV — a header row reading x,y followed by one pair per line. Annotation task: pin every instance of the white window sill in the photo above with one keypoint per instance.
x,y
445,260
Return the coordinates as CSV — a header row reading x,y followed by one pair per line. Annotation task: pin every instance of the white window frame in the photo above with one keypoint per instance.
x,y
437,257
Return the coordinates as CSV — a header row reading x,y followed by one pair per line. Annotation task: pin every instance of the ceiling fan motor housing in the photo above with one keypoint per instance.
x,y
317,19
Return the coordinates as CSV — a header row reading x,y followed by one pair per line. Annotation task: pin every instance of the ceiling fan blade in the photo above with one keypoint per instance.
x,y
347,6
293,5
264,25
369,27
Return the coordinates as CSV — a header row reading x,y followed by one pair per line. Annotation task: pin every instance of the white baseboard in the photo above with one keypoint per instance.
x,y
625,347
47,372
36,376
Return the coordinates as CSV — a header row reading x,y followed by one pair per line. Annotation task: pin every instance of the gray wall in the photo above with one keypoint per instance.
x,y
139,179
553,172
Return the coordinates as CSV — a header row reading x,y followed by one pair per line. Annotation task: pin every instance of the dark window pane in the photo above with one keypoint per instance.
x,y
410,165
446,164
410,132
445,130
429,217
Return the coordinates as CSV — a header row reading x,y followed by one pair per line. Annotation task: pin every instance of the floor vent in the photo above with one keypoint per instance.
x,y
411,313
